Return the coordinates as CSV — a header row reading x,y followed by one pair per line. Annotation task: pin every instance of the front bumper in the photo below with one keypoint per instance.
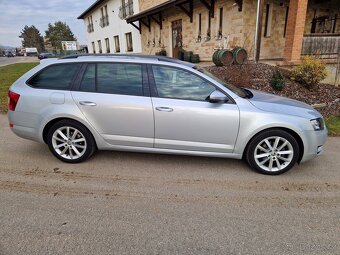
x,y
313,144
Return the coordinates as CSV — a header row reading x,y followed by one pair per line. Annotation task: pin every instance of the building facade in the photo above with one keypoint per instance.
x,y
107,30
288,28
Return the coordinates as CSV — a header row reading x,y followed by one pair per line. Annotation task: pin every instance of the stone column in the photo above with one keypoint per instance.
x,y
295,29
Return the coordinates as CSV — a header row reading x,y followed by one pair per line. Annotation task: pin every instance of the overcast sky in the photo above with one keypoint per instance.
x,y
15,14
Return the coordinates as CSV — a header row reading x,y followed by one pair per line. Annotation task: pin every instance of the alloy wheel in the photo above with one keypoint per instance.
x,y
69,142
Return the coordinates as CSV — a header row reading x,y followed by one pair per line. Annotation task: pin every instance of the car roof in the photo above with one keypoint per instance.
x,y
130,57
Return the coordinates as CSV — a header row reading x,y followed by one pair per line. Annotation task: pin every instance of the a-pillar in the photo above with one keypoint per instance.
x,y
295,30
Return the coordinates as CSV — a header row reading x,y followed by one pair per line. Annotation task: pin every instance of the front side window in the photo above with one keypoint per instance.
x,y
113,78
180,84
58,77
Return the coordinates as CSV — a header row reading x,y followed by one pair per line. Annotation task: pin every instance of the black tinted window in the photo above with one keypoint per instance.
x,y
113,78
88,82
55,77
181,84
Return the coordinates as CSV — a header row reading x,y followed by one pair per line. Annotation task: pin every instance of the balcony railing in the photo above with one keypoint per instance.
x,y
90,28
324,45
104,21
126,10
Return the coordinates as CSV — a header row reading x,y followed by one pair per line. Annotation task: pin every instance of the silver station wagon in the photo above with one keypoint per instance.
x,y
79,104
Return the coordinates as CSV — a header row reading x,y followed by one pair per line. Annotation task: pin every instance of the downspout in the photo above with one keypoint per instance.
x,y
258,30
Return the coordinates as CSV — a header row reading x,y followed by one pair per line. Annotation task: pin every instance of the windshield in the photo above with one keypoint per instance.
x,y
238,91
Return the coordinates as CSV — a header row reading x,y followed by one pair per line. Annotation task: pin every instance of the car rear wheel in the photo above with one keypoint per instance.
x,y
70,141
272,152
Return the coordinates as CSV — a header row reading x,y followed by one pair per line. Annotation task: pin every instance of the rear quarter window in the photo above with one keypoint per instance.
x,y
59,77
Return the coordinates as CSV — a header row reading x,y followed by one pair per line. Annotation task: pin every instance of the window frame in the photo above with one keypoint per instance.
x,y
117,45
128,37
81,73
153,86
73,80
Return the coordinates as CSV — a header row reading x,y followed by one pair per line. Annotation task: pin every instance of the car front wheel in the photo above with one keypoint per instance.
x,y
70,141
272,152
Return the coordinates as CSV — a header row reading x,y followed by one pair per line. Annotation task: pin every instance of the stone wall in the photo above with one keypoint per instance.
x,y
239,27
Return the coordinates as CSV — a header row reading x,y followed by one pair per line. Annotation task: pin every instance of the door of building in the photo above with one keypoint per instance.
x,y
176,37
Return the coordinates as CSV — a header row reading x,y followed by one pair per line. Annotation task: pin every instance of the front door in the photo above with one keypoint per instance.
x,y
177,40
185,120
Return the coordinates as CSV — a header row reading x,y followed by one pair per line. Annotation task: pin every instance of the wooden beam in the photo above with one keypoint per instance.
x,y
146,24
159,20
137,27
189,11
210,7
239,3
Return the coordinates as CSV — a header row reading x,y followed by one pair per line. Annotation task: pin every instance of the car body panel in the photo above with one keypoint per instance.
x,y
131,123
195,125
119,119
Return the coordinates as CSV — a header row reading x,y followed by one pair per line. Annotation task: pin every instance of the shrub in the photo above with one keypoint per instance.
x,y
162,52
278,81
310,72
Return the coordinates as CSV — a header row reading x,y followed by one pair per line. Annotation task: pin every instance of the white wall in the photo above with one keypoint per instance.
x,y
116,26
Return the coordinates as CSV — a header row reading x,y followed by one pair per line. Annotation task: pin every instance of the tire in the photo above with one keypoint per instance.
x,y
70,141
272,152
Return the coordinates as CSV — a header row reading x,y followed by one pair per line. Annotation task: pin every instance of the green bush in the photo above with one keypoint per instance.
x,y
278,81
162,52
310,72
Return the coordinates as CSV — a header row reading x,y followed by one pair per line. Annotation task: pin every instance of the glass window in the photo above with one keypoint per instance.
x,y
129,46
88,83
107,43
176,83
113,78
55,77
100,46
117,45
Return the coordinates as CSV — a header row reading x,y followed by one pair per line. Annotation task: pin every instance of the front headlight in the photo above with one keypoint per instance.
x,y
317,124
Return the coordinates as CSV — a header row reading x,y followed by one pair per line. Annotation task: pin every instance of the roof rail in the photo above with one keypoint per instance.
x,y
154,57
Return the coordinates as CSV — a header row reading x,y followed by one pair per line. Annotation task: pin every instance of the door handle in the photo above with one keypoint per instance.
x,y
87,103
164,109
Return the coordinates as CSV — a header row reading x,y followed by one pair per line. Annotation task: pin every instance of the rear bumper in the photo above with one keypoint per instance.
x,y
26,132
313,144
25,125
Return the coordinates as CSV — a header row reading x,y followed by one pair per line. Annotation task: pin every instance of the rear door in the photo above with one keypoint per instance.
x,y
184,119
114,98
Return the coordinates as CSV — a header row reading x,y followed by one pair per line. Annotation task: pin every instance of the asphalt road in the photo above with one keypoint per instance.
x,y
7,61
130,203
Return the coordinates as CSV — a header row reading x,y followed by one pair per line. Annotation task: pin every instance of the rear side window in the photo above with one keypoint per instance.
x,y
113,78
58,77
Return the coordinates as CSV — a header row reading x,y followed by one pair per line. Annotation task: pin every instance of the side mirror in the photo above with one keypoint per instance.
x,y
217,97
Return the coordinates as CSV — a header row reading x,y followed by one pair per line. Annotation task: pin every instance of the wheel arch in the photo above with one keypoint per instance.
x,y
289,131
49,124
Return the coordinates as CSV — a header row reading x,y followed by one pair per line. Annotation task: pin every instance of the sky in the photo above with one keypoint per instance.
x,y
15,14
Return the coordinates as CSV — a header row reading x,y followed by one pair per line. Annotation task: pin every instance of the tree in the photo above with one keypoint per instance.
x,y
58,32
31,38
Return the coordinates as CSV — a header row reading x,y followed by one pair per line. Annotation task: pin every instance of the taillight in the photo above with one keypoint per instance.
x,y
13,100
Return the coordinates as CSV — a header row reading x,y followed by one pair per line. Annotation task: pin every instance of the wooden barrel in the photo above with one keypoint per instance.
x,y
240,55
195,58
187,55
180,54
215,59
223,57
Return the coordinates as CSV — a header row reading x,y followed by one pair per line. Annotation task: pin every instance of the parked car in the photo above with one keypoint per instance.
x,y
79,104
46,55
10,55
